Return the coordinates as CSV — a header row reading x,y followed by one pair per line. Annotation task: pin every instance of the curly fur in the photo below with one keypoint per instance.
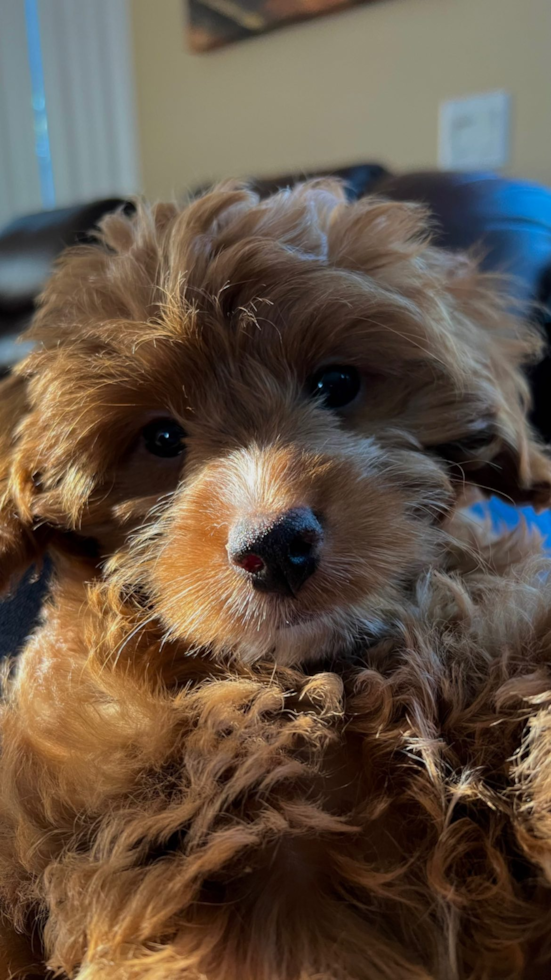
x,y
198,782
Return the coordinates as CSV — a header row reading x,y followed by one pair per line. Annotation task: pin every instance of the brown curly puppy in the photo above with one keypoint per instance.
x,y
288,712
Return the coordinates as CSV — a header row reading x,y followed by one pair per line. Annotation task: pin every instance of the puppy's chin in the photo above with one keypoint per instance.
x,y
312,637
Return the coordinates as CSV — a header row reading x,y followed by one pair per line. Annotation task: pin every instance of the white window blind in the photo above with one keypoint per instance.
x,y
19,173
78,54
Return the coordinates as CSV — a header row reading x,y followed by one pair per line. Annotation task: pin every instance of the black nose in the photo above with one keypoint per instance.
x,y
278,553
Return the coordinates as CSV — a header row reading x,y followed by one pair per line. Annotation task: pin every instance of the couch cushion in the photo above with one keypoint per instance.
x,y
30,245
359,179
510,220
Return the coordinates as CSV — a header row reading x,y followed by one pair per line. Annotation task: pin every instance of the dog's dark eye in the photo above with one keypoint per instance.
x,y
338,386
164,437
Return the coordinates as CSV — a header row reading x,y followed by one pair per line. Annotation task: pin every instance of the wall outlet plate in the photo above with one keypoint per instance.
x,y
474,133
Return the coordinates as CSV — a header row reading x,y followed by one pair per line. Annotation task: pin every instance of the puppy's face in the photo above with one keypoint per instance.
x,y
260,411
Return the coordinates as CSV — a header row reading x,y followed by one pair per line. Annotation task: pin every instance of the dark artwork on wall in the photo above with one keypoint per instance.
x,y
213,23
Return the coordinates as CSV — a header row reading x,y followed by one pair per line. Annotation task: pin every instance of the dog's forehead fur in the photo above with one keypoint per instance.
x,y
233,277
199,310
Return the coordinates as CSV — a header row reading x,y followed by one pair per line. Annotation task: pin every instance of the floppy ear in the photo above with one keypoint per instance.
x,y
20,543
505,461
471,407
494,446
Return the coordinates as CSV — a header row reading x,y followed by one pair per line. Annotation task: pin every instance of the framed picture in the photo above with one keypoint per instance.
x,y
212,23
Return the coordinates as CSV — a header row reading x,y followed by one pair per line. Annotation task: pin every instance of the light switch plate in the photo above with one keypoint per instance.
x,y
474,132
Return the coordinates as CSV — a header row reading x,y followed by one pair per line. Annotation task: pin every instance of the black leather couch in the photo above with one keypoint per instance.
x,y
509,221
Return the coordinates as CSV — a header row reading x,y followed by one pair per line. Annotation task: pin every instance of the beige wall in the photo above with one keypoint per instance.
x,y
360,85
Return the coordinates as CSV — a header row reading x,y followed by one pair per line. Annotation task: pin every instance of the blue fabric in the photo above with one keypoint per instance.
x,y
505,516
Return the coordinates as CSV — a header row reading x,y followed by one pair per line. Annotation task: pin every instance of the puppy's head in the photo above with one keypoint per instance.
x,y
264,411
